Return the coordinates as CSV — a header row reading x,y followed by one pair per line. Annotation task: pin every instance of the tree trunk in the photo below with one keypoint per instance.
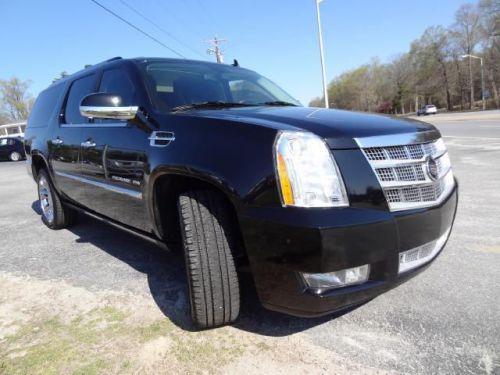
x,y
493,85
446,85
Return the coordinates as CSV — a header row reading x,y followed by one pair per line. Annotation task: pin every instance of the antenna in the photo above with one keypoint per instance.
x,y
215,42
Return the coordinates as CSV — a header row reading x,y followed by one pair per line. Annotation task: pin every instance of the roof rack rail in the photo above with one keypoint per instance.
x,y
114,58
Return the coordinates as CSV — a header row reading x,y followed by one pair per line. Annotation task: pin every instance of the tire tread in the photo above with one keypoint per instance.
x,y
208,243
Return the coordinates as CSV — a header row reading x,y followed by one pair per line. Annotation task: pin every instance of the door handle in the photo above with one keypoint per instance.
x,y
57,141
88,144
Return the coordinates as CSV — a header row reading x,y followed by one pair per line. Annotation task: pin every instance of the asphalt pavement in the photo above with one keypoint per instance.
x,y
446,320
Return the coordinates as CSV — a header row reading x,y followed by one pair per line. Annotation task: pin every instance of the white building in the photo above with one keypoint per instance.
x,y
13,130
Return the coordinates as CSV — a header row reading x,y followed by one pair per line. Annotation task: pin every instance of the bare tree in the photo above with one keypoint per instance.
x,y
15,101
490,40
467,29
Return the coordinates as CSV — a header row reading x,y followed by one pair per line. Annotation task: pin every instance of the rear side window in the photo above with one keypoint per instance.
x,y
79,89
44,107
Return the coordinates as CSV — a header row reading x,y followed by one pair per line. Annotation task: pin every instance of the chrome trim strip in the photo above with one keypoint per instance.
x,y
401,162
117,113
97,125
397,139
109,187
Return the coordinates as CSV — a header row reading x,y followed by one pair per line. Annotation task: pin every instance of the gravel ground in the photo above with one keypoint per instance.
x,y
79,288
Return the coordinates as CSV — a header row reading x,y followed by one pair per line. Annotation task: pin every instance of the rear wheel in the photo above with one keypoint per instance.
x,y
55,214
209,244
15,156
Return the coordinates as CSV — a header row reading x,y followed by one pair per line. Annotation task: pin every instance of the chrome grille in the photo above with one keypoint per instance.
x,y
405,172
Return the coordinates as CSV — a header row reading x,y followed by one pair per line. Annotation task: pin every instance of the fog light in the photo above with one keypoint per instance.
x,y
337,279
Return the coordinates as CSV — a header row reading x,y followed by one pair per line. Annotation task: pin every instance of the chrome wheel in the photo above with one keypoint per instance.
x,y
45,197
15,156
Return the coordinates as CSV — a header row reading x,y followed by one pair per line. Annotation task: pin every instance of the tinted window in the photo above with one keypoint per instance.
x,y
4,142
79,89
248,92
117,81
173,84
45,106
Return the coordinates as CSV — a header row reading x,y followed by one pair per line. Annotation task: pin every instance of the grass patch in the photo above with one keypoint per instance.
x,y
49,346
94,368
154,330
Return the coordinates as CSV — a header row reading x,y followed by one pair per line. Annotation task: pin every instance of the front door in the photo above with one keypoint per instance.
x,y
113,159
66,139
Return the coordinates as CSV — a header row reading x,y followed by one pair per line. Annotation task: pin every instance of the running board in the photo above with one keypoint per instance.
x,y
143,235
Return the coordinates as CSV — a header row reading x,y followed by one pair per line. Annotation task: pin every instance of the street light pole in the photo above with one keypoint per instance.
x,y
482,76
323,70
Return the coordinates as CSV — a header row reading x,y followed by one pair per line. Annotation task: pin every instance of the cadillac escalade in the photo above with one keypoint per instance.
x,y
327,208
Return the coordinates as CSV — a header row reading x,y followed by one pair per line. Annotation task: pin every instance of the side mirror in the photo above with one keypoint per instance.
x,y
107,106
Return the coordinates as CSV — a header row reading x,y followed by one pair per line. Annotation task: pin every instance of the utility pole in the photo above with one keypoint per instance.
x,y
471,83
323,70
215,42
482,78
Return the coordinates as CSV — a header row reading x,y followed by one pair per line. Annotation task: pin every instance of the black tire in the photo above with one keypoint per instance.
x,y
55,214
15,156
209,244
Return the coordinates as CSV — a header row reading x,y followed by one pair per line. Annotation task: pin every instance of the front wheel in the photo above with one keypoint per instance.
x,y
209,244
55,214
15,156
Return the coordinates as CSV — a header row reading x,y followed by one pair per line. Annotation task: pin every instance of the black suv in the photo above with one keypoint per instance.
x,y
11,149
327,208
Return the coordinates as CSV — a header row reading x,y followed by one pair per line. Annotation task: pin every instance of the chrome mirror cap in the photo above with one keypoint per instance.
x,y
106,106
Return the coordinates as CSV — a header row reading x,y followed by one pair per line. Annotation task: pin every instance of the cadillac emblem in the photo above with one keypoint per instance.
x,y
432,169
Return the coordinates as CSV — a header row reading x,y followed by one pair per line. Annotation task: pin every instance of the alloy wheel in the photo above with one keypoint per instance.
x,y
45,197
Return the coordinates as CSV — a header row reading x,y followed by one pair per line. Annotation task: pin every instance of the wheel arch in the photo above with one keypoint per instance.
x,y
165,187
38,162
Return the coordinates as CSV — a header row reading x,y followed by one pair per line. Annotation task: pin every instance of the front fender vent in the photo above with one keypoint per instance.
x,y
161,138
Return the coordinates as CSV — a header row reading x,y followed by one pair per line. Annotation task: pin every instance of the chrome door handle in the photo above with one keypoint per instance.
x,y
57,141
88,144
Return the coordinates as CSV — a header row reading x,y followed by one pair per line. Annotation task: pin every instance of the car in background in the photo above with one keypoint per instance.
x,y
12,149
428,109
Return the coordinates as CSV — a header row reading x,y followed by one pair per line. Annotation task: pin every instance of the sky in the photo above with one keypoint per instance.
x,y
277,38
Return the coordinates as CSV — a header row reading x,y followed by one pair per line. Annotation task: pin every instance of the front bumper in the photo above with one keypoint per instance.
x,y
281,242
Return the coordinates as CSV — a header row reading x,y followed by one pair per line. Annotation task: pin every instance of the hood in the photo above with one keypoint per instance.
x,y
338,128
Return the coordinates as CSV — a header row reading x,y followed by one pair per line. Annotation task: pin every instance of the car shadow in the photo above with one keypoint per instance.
x,y
168,285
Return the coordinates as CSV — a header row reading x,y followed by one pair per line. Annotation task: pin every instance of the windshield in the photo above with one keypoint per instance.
x,y
176,84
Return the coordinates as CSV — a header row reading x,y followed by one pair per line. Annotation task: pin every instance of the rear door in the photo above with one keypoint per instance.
x,y
65,143
113,158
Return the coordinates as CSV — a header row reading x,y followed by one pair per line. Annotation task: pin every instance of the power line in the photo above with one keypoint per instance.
x,y
137,28
209,13
159,27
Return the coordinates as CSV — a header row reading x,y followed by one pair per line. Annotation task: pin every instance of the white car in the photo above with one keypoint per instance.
x,y
428,109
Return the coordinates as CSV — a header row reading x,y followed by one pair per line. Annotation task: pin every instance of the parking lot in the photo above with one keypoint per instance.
x,y
97,300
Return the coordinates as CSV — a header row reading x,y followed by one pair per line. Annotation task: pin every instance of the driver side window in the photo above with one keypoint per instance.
x,y
117,81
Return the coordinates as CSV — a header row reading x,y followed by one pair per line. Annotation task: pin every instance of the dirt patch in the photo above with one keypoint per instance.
x,y
51,327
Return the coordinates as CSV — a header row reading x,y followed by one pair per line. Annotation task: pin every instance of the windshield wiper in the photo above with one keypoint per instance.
x,y
214,104
279,103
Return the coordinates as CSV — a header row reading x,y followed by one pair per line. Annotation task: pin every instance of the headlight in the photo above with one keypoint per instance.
x,y
306,172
